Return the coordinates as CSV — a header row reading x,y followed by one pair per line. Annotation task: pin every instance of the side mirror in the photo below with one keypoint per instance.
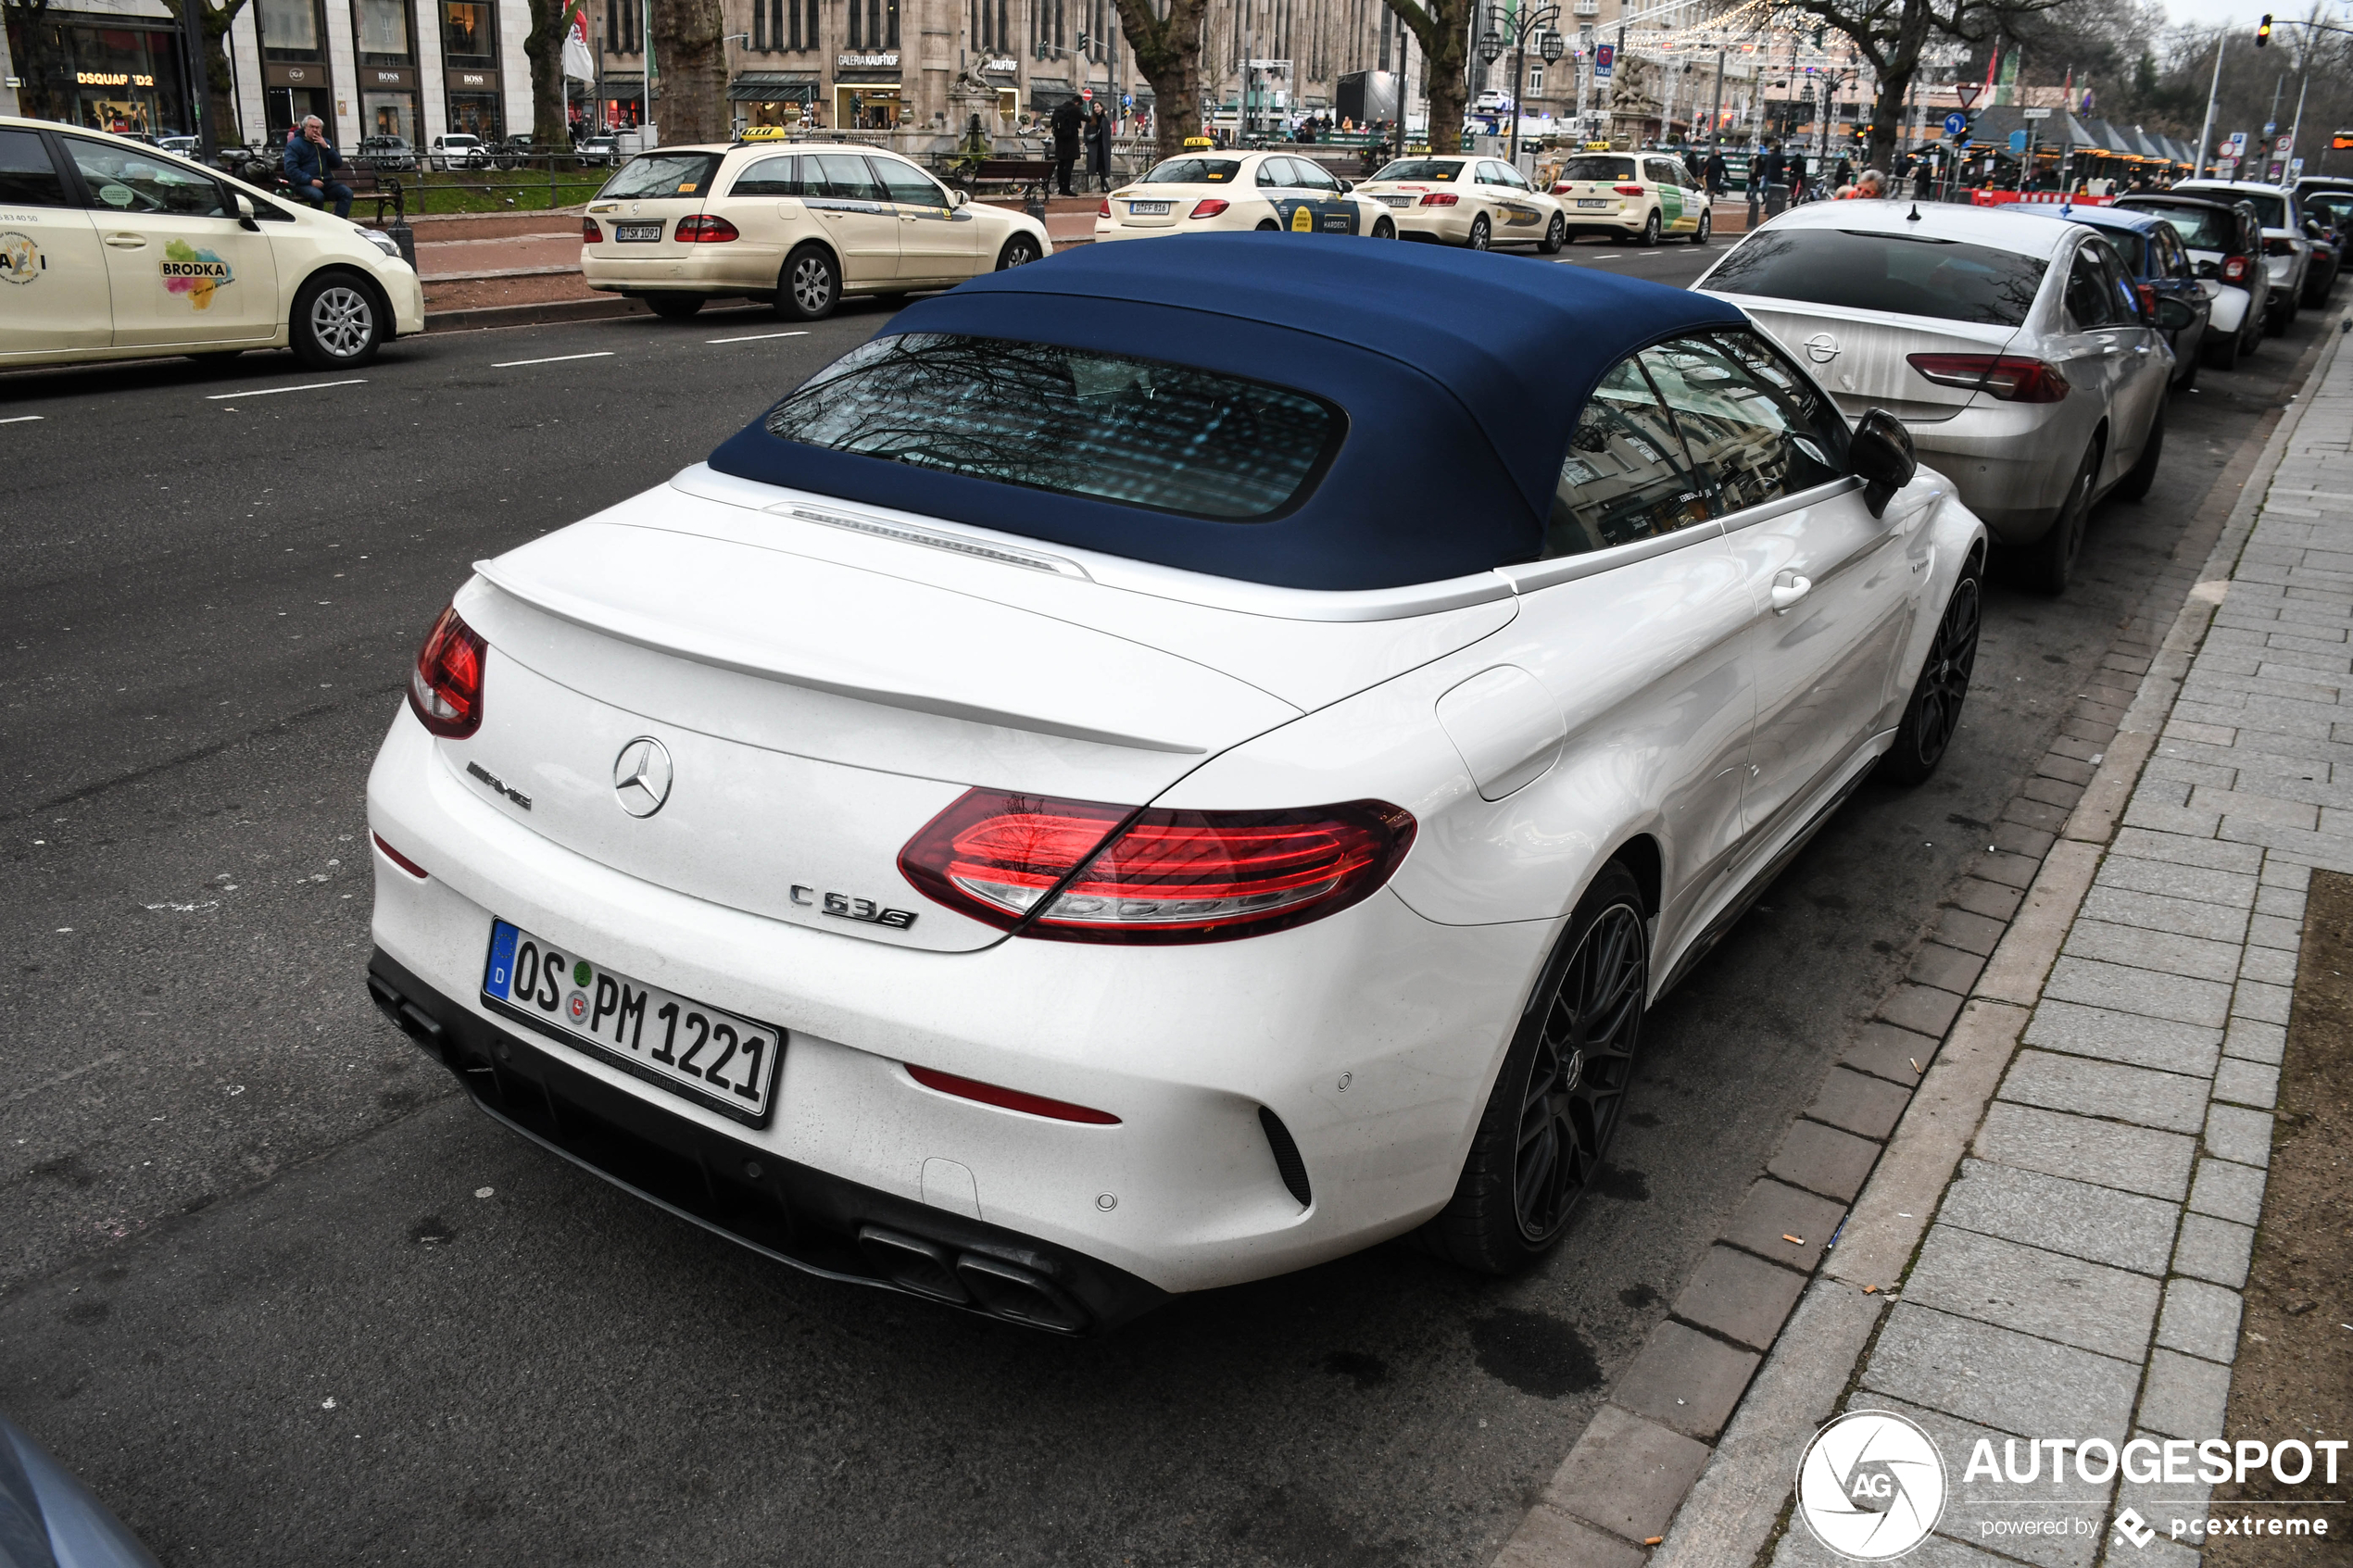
x,y
2209,269
244,213
2312,228
1346,186
2172,315
1881,456
958,198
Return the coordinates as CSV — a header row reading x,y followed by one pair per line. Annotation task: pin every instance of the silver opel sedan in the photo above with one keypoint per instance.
x,y
2017,354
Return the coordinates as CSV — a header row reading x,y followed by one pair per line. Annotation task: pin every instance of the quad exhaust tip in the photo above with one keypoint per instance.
x,y
974,1280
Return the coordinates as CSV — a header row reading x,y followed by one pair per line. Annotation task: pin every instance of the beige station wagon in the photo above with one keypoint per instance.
x,y
800,225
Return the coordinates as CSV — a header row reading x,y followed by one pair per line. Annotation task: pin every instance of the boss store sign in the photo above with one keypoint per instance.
x,y
388,79
473,81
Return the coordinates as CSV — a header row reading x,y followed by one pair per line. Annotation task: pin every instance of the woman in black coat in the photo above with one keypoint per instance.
x,y
1099,148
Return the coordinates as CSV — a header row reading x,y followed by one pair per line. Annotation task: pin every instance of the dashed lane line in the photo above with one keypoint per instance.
x,y
23,418
551,359
756,338
273,391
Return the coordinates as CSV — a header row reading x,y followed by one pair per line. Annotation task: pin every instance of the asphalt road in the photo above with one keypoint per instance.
x,y
281,1297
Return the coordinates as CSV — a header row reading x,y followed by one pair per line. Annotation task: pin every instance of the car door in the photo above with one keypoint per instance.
x,y
1832,583
1677,214
764,202
1636,625
1333,213
1510,202
182,268
2088,345
54,290
937,242
2144,365
855,214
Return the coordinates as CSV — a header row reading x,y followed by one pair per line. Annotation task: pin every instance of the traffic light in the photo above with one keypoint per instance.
x,y
2263,30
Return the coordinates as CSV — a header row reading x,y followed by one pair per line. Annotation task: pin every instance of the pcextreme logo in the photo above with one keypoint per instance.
x,y
196,273
1871,1485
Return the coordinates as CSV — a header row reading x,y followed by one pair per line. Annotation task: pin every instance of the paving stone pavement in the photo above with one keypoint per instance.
x,y
2082,1276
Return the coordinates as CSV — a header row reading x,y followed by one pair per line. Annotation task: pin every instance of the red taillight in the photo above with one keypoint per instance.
x,y
1628,189
1209,206
2276,245
2008,377
589,234
398,858
2234,270
445,690
1012,1099
1563,188
2148,300
1440,198
1079,870
704,230
1104,210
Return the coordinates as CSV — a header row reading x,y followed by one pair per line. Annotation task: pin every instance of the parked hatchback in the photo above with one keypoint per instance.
x,y
2287,248
2016,352
2225,244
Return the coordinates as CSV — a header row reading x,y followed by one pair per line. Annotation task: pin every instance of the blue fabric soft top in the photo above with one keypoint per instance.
x,y
1461,372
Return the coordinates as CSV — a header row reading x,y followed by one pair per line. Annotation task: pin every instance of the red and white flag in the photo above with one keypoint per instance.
x,y
579,61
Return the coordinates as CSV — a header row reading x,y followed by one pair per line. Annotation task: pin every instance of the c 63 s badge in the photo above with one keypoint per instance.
x,y
20,259
841,906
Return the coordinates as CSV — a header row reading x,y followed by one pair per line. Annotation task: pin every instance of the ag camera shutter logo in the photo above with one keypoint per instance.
x,y
1871,1485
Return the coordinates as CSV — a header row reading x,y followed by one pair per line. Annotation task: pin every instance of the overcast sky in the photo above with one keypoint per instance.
x,y
2247,11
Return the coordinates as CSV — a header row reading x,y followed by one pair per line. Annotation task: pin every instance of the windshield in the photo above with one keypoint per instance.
x,y
2330,205
2270,210
1945,280
1438,169
661,174
2201,228
1195,172
1137,431
460,141
1597,168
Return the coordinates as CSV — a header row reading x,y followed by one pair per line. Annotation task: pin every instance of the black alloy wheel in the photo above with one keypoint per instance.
x,y
1559,1096
1576,1083
1483,234
1934,712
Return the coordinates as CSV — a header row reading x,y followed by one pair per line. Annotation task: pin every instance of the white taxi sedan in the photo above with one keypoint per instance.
x,y
110,249
1642,197
1203,192
800,227
1478,202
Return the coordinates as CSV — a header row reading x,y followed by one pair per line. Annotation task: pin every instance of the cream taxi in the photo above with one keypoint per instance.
x,y
1478,202
112,249
1642,197
1205,191
799,224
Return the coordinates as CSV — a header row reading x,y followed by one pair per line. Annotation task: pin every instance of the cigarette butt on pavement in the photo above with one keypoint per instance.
x,y
1915,1061
1870,1290
1793,1240
1653,1541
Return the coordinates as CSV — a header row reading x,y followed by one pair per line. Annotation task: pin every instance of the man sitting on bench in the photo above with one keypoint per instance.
x,y
311,157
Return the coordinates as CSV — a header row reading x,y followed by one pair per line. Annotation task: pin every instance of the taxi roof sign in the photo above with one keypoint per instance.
x,y
2341,140
763,134
1193,142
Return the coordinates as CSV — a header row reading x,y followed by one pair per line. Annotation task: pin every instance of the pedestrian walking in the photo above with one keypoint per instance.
x,y
1718,172
1770,172
1796,171
1067,123
1099,148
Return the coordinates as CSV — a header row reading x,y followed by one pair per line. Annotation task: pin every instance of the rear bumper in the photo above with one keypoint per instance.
x,y
782,1209
728,269
2010,461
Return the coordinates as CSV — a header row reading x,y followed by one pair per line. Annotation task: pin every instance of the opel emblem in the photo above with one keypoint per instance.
x,y
1821,349
641,776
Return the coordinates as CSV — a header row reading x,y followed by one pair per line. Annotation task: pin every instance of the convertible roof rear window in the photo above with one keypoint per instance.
x,y
1140,432
1904,274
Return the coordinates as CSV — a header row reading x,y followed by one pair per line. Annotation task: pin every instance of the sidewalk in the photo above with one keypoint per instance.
x,y
2082,1274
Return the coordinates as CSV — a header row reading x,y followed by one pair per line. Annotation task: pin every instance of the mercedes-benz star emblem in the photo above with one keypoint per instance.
x,y
1821,349
641,776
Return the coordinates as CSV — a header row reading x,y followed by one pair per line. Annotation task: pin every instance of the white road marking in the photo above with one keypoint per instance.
x,y
273,391
554,359
756,338
23,418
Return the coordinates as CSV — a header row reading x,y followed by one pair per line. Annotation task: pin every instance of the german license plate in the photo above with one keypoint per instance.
x,y
718,1060
1147,210
1593,201
637,233
1395,201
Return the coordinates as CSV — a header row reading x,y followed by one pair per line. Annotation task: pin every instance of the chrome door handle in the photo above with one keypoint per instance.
x,y
127,242
1788,589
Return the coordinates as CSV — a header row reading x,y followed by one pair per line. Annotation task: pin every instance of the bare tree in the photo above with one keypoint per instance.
x,y
219,107
1167,51
691,58
1442,28
544,47
1890,35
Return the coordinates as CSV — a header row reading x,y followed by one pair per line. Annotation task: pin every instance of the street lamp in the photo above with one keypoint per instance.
x,y
1550,45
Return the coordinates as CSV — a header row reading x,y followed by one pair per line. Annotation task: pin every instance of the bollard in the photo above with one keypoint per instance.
x,y
406,238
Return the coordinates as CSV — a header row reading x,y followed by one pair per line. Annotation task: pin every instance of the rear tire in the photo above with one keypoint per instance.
x,y
1706,230
809,286
1649,235
1555,236
1483,234
1268,226
1556,1104
2135,485
2050,561
674,306
1934,712
337,323
1384,230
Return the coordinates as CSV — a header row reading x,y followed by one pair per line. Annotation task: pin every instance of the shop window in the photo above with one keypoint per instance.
x,y
290,29
466,32
383,29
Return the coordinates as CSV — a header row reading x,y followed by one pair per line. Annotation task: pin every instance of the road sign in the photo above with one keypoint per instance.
x,y
1604,59
1967,91
2018,143
1956,122
2033,114
2270,128
2238,143
2287,143
2295,168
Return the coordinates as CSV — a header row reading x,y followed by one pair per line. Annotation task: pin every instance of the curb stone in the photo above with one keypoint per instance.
x,y
1947,1040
